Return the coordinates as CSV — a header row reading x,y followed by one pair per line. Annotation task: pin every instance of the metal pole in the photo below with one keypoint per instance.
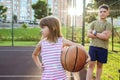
x,y
119,73
12,26
47,8
112,34
72,17
67,20
83,23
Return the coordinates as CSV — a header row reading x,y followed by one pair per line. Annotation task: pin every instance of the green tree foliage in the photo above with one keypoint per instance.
x,y
15,18
40,9
114,6
49,11
90,15
2,12
91,7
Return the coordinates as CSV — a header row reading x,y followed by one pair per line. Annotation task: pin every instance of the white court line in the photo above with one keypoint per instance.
x,y
15,50
23,76
20,76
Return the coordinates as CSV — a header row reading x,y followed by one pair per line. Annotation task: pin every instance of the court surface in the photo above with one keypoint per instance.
x,y
16,63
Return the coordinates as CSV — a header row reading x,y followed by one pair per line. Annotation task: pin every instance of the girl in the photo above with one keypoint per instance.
x,y
50,49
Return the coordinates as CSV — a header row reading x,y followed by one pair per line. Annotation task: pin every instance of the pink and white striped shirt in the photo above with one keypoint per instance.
x,y
50,53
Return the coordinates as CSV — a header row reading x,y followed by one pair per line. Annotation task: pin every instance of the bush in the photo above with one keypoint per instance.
x,y
24,26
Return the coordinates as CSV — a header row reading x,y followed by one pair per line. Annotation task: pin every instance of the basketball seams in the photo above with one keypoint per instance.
x,y
75,59
66,58
84,62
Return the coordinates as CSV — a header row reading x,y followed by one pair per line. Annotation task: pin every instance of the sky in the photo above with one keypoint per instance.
x,y
50,1
79,8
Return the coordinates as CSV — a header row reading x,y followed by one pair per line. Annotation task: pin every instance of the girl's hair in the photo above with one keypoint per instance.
x,y
105,6
53,24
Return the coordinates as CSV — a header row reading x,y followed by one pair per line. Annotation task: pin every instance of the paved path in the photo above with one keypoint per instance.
x,y
16,63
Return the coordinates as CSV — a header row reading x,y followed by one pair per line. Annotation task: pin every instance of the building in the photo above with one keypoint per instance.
x,y
21,8
61,9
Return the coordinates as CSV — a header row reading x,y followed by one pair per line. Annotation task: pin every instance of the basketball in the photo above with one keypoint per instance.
x,y
73,58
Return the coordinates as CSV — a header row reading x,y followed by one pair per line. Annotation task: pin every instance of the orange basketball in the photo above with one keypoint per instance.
x,y
73,58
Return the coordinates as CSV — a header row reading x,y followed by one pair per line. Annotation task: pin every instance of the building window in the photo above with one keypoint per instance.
x,y
9,1
1,0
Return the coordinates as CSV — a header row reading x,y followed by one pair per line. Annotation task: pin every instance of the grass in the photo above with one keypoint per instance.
x,y
18,43
20,34
110,70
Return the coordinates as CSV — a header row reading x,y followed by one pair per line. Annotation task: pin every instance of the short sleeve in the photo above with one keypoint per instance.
x,y
91,26
109,27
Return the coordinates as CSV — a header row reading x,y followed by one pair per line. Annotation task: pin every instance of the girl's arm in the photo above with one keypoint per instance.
x,y
70,43
35,55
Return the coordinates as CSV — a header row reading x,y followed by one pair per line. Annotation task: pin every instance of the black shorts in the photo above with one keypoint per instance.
x,y
99,54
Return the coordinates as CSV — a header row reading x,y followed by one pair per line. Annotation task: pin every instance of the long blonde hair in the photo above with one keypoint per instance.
x,y
54,25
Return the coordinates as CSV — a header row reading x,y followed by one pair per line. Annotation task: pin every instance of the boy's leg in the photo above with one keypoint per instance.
x,y
90,70
102,58
92,62
99,70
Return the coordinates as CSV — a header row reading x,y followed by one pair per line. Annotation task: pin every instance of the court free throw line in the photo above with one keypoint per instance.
x,y
15,50
20,76
5,76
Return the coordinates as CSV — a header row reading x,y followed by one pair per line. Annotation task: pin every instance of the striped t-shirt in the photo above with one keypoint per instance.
x,y
50,53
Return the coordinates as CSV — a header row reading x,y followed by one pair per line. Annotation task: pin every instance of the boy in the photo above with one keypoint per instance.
x,y
99,32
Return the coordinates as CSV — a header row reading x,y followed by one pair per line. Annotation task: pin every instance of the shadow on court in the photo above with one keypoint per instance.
x,y
16,63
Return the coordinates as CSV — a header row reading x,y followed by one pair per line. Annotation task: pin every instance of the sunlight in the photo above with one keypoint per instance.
x,y
79,8
75,11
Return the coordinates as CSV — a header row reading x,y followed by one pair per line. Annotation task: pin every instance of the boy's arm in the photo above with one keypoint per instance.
x,y
105,35
90,34
90,31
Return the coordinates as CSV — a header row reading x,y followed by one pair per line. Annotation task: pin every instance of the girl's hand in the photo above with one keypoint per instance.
x,y
41,68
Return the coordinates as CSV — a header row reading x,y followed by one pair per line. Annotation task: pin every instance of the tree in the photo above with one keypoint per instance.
x,y
114,6
49,11
2,12
90,14
40,9
90,17
15,18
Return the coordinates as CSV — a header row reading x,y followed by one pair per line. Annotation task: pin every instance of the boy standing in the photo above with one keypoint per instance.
x,y
99,32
